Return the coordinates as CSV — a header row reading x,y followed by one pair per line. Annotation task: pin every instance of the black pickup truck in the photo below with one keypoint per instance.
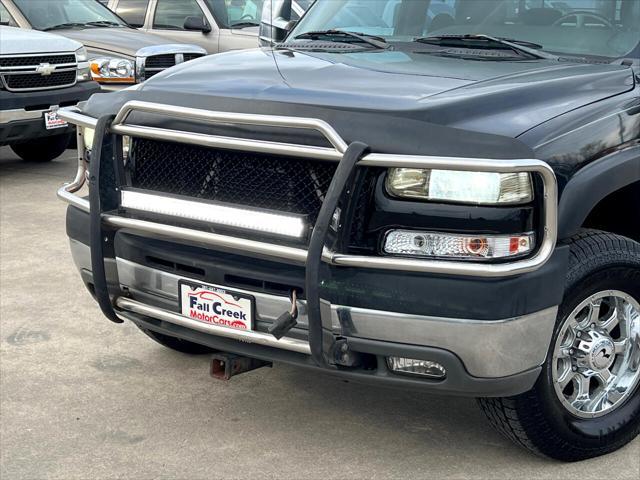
x,y
447,202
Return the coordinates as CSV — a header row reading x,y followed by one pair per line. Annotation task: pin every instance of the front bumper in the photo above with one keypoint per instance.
x,y
482,357
22,114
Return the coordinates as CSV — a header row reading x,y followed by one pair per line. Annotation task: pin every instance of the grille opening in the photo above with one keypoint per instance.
x,y
161,61
271,182
35,80
37,60
177,268
261,285
192,56
40,106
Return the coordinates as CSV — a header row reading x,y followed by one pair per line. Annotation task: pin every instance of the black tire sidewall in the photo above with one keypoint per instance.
x,y
622,423
45,149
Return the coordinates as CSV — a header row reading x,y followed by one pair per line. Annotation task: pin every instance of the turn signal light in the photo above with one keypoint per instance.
x,y
464,247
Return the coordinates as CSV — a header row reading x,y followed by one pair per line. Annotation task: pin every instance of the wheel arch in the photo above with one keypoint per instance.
x,y
587,200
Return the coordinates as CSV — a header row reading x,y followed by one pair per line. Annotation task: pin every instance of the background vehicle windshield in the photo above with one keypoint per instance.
x,y
608,28
46,14
237,11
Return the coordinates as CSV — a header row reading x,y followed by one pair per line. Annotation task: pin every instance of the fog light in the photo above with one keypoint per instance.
x,y
464,247
413,366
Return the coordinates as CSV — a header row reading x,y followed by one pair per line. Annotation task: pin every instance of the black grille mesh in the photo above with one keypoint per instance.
x,y
191,56
293,185
31,61
160,61
35,80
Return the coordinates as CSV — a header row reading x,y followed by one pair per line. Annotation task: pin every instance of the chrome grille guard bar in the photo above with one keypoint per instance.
x,y
296,255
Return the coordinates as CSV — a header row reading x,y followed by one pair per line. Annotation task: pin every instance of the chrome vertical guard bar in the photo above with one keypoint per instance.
x,y
67,192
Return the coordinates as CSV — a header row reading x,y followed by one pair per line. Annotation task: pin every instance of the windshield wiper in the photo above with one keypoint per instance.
x,y
97,23
64,26
528,48
104,23
244,24
345,37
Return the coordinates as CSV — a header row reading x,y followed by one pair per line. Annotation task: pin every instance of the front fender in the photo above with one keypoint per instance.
x,y
590,185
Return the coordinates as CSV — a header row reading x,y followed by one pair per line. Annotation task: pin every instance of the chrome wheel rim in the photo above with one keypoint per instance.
x,y
596,357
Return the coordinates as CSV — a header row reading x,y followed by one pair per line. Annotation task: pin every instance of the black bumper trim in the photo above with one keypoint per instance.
x,y
44,99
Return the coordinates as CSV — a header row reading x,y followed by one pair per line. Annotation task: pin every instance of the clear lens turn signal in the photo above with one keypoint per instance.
x,y
465,247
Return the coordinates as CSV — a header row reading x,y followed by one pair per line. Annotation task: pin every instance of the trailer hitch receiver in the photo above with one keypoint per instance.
x,y
226,365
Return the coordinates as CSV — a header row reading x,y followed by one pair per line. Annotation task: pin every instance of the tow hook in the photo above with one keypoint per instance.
x,y
344,356
226,365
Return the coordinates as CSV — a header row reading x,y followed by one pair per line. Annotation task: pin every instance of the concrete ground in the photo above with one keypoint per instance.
x,y
84,398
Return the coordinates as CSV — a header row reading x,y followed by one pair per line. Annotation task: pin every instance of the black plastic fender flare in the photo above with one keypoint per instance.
x,y
594,183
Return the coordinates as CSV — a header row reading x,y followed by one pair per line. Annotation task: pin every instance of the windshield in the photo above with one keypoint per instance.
x,y
245,13
237,12
607,28
48,14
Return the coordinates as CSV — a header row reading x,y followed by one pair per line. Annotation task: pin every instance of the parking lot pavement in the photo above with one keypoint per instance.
x,y
84,398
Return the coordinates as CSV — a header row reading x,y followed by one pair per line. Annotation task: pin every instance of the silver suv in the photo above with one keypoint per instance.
x,y
215,25
119,55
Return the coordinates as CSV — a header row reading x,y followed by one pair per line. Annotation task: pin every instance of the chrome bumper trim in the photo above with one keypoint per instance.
x,y
240,245
18,114
299,346
488,349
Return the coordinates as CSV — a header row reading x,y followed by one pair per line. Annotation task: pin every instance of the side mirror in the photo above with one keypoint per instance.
x,y
276,22
197,24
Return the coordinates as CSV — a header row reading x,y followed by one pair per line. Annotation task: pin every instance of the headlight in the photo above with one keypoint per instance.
x,y
112,70
481,188
83,65
81,55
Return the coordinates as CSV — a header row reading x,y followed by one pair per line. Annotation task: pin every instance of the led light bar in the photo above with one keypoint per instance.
x,y
277,224
464,247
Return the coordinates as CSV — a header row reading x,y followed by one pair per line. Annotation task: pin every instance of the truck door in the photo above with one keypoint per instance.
x,y
168,21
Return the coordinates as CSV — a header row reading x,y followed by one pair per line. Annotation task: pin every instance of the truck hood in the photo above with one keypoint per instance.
x,y
18,41
122,41
500,97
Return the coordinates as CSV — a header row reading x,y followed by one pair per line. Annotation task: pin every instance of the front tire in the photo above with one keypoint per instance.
x,y
40,150
586,401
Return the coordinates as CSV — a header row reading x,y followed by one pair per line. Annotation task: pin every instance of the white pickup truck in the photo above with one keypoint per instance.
x,y
39,72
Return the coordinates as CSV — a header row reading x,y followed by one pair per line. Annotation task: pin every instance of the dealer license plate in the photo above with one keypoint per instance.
x,y
216,305
52,120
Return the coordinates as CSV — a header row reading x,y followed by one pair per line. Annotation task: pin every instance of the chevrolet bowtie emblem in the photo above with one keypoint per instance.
x,y
45,69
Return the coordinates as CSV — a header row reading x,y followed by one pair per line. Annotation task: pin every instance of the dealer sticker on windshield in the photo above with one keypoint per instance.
x,y
216,305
